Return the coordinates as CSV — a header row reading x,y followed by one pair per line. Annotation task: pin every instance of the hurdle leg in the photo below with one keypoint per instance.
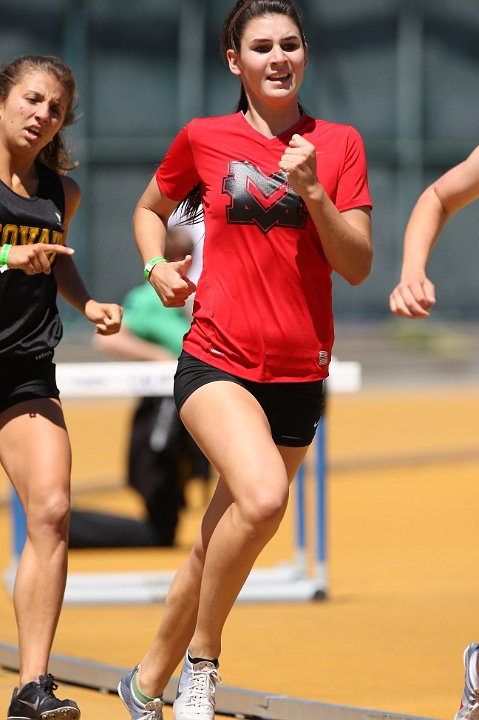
x,y
300,520
320,566
19,526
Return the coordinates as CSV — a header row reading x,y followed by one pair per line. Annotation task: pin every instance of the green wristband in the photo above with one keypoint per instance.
x,y
4,253
150,265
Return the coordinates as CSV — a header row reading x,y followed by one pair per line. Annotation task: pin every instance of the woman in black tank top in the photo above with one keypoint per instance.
x,y
37,202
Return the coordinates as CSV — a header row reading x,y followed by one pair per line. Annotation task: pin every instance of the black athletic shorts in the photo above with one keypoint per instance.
x,y
26,379
293,409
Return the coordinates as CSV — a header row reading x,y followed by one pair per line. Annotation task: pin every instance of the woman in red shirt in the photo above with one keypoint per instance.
x,y
285,202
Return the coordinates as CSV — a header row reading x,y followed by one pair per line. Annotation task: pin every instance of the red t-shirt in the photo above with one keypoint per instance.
x,y
263,307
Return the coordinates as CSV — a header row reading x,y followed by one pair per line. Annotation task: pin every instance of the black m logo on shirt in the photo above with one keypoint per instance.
x,y
262,200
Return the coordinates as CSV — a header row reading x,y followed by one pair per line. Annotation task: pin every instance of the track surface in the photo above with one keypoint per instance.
x,y
403,494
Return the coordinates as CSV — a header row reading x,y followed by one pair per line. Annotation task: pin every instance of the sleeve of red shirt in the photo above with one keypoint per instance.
x,y
177,174
353,189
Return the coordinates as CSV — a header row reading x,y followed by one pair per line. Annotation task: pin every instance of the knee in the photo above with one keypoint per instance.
x,y
264,510
51,516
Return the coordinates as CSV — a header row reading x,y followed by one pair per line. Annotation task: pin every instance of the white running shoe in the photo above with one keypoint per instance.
x,y
195,698
469,709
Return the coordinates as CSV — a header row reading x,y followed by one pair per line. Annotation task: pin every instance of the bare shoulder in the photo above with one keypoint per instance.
x,y
72,196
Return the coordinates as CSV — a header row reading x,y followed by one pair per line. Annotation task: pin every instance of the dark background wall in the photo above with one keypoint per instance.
x,y
404,72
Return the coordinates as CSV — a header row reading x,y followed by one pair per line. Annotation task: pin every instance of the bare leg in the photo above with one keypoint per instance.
x,y
181,606
35,452
230,427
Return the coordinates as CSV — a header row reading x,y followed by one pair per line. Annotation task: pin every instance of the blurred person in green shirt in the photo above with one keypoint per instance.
x,y
161,454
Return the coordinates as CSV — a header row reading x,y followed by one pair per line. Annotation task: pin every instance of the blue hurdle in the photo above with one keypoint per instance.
x,y
303,579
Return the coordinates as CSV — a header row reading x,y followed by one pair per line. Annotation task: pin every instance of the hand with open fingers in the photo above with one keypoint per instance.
x,y
171,282
413,297
34,259
299,163
105,316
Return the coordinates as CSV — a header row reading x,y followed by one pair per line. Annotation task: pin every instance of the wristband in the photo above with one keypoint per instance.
x,y
150,265
4,253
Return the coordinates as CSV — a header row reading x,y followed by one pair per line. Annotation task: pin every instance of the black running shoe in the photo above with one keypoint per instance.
x,y
36,701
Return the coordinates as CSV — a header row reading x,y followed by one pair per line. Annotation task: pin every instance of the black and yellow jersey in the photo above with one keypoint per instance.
x,y
30,324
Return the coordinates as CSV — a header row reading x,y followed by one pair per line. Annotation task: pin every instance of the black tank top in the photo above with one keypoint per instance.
x,y
30,325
